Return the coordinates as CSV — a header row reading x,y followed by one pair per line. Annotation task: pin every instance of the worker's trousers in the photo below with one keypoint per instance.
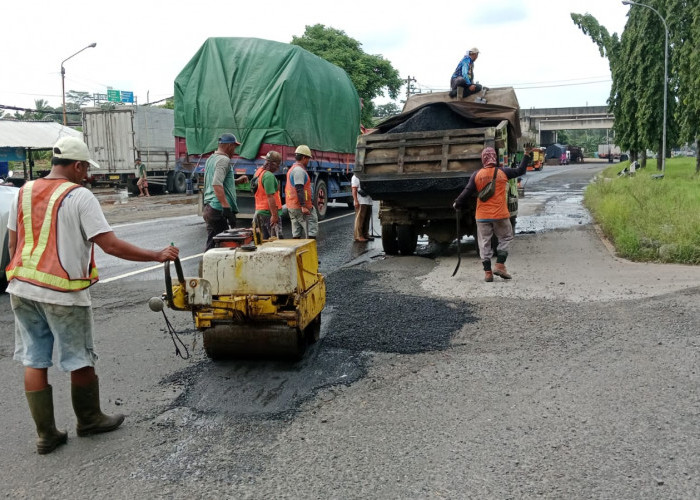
x,y
503,230
300,222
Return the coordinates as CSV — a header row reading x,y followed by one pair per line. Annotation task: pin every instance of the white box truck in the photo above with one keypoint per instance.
x,y
116,137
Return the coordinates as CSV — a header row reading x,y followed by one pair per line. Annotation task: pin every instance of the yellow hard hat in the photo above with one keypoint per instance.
x,y
303,150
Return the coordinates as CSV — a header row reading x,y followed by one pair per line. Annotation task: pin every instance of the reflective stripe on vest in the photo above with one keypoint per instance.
x,y
290,191
261,202
36,258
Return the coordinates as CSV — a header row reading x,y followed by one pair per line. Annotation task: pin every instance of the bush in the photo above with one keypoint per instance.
x,y
650,219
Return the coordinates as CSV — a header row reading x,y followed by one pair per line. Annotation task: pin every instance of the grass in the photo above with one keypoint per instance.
x,y
647,219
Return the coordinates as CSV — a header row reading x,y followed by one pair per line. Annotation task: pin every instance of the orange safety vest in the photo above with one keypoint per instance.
x,y
36,257
260,194
495,207
290,191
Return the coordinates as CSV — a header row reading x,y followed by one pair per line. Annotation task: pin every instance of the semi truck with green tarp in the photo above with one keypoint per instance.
x,y
272,96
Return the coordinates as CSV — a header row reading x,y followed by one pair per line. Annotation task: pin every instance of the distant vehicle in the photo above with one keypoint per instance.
x,y
606,150
575,154
116,137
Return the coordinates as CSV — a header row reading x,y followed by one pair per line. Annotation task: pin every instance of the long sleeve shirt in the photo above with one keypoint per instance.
x,y
495,207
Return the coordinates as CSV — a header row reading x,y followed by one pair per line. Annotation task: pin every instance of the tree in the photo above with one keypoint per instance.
x,y
386,110
636,65
685,36
372,75
168,104
76,99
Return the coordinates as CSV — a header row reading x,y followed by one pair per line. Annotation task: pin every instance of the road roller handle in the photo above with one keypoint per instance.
x,y
188,293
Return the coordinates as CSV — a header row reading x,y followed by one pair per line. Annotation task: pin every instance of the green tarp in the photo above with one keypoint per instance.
x,y
264,92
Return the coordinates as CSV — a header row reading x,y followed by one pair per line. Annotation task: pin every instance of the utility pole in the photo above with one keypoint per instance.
x,y
408,86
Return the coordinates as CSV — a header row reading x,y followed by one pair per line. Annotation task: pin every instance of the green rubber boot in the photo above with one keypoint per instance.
x,y
86,405
41,406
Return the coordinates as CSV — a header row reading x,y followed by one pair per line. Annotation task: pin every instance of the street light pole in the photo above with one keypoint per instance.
x,y
63,78
663,140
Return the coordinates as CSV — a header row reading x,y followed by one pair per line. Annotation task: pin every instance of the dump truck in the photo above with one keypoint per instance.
x,y
272,96
418,162
116,137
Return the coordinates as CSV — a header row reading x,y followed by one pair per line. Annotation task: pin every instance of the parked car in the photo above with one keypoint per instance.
x,y
8,193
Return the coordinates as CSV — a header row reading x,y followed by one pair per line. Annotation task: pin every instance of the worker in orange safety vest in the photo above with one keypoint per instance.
x,y
52,229
299,197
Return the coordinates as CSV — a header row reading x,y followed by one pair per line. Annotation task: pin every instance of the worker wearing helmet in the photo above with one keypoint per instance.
x,y
268,203
220,207
298,196
463,75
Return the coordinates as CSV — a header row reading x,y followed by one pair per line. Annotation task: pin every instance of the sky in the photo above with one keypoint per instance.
x,y
531,45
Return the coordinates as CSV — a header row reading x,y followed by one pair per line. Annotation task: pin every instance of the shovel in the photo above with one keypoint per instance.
x,y
459,247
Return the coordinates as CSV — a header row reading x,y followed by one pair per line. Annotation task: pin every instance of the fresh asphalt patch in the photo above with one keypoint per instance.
x,y
363,316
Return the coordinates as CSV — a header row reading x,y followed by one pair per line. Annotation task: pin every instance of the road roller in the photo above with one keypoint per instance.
x,y
253,300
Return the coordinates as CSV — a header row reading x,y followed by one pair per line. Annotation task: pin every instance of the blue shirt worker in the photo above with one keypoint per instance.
x,y
463,75
220,207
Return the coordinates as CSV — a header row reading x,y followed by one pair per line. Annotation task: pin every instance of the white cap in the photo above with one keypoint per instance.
x,y
473,50
72,148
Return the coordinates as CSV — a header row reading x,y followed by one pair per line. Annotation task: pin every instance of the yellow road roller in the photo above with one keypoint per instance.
x,y
253,300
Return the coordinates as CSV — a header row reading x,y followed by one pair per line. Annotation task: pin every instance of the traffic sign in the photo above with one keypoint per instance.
x,y
114,95
127,96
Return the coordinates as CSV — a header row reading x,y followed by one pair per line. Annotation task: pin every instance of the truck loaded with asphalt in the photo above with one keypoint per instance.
x,y
272,96
418,162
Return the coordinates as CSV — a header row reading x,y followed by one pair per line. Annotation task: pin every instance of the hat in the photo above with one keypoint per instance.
x,y
72,148
473,50
273,156
228,139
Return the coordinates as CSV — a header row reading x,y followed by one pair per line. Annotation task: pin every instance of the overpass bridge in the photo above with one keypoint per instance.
x,y
545,122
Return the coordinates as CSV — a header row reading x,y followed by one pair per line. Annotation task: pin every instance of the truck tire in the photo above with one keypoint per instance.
x,y
169,182
133,188
321,198
179,183
407,239
389,243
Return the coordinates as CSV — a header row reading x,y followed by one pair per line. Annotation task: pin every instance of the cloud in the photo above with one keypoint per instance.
x,y
500,13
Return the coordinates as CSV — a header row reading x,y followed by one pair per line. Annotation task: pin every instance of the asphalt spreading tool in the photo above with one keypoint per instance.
x,y
252,300
459,247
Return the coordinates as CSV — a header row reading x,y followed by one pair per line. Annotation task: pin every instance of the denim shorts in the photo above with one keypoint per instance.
x,y
38,326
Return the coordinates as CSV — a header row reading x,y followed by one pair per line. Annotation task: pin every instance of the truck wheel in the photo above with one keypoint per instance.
x,y
132,187
169,180
407,239
389,243
321,199
179,182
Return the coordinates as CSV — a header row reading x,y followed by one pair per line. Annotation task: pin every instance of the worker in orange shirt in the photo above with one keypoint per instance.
x,y
492,215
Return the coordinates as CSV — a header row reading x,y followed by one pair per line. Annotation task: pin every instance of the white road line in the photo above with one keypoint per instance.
x,y
160,266
146,270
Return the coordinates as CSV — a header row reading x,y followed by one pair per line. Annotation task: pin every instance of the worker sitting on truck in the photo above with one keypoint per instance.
x,y
299,198
268,203
492,215
220,207
463,75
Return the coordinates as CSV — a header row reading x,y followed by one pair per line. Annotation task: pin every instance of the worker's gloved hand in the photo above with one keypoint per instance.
x,y
230,216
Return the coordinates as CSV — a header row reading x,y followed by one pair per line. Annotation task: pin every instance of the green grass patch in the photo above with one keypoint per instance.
x,y
650,219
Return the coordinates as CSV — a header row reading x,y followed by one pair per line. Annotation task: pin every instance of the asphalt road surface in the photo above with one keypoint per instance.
x,y
576,379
